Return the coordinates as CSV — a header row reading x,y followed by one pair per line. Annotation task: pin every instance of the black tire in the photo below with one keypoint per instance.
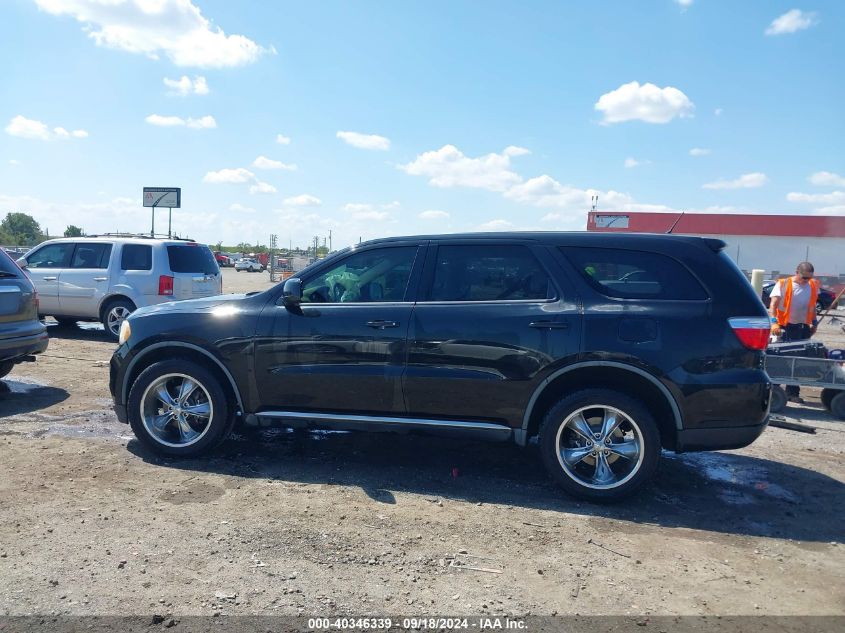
x,y
218,426
778,399
65,321
5,367
111,318
827,395
837,405
590,401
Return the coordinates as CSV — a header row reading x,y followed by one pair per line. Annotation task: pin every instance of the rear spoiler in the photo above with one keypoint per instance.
x,y
714,244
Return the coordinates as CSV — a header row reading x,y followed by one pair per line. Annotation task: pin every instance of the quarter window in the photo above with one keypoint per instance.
x,y
136,257
51,256
635,274
373,276
489,272
91,256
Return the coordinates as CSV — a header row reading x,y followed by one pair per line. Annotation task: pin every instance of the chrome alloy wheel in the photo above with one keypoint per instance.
x,y
600,447
115,317
176,410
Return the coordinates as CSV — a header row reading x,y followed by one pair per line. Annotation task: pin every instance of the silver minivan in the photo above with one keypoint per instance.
x,y
105,278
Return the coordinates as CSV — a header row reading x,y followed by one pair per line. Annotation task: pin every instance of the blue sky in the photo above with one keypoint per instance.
x,y
412,117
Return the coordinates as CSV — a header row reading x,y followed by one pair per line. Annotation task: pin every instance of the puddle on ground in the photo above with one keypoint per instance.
x,y
20,384
746,482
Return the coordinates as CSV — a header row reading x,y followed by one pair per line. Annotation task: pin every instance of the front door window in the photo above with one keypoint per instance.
x,y
373,276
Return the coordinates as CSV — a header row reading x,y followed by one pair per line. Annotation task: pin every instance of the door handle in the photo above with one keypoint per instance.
x,y
49,278
382,325
550,325
101,278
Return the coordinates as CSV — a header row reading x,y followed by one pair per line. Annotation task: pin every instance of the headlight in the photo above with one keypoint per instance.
x,y
125,332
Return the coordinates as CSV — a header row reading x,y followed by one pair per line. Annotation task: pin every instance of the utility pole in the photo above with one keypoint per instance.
x,y
330,240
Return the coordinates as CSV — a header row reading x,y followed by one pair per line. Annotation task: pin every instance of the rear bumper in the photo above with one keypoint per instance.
x,y
716,439
12,348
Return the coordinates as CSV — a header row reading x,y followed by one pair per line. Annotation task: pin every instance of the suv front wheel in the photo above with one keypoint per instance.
x,y
600,444
178,408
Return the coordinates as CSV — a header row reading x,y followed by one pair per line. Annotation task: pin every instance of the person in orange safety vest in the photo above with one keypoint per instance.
x,y
793,310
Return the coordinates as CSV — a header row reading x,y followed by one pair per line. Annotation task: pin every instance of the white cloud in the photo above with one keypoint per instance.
x,y
449,167
745,181
14,162
238,175
184,86
792,21
302,200
364,211
513,150
718,111
838,209
632,162
433,214
205,122
496,225
832,198
684,3
827,179
699,151
175,28
262,162
545,191
281,139
365,141
22,127
262,187
647,102
237,207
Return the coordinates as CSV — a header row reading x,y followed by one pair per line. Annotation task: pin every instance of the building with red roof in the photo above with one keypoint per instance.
x,y
775,243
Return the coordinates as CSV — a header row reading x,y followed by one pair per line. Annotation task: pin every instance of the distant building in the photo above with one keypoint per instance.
x,y
775,243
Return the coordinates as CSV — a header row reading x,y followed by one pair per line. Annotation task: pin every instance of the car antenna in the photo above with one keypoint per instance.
x,y
672,228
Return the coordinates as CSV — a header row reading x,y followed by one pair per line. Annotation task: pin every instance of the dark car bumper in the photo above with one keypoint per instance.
x,y
13,348
719,438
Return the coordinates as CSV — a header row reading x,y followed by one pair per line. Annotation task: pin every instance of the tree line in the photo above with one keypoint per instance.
x,y
21,229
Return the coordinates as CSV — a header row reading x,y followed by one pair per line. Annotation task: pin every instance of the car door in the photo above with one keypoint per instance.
x,y
85,282
44,265
343,349
491,318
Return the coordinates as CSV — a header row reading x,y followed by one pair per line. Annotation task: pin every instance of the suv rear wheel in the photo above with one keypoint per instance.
x,y
5,367
178,408
113,315
599,444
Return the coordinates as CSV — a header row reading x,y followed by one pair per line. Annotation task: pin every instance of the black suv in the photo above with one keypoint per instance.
x,y
21,333
606,348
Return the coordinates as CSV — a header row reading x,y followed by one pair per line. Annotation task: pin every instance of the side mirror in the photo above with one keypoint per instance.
x,y
292,292
22,263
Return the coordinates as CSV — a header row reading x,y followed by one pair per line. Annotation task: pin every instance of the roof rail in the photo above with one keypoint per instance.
x,y
143,236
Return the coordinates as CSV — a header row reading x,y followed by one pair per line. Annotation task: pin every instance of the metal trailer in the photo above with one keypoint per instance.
x,y
823,373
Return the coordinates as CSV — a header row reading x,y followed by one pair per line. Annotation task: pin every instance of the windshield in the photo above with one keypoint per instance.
x,y
192,259
7,266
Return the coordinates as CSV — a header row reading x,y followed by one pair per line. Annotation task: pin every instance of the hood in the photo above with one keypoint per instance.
x,y
203,304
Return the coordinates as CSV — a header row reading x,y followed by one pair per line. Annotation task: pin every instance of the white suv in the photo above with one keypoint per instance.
x,y
105,278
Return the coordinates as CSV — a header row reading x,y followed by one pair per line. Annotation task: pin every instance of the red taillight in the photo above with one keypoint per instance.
x,y
752,332
165,285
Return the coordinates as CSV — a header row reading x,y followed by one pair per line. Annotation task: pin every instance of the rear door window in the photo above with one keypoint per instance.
x,y
192,259
136,257
51,256
628,274
489,272
8,268
91,256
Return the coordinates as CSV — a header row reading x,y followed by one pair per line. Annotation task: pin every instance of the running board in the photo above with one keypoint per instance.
x,y
344,422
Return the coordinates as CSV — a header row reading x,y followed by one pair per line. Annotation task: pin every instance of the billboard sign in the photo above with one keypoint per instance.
x,y
170,197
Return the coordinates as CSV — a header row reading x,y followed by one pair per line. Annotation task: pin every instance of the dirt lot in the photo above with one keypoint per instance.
x,y
301,523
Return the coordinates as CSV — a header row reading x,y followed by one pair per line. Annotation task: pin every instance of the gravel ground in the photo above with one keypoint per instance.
x,y
280,522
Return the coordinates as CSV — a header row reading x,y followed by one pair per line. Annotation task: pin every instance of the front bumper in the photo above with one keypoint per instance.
x,y
12,348
720,438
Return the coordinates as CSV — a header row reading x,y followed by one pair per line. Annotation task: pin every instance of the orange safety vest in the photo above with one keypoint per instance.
x,y
782,312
